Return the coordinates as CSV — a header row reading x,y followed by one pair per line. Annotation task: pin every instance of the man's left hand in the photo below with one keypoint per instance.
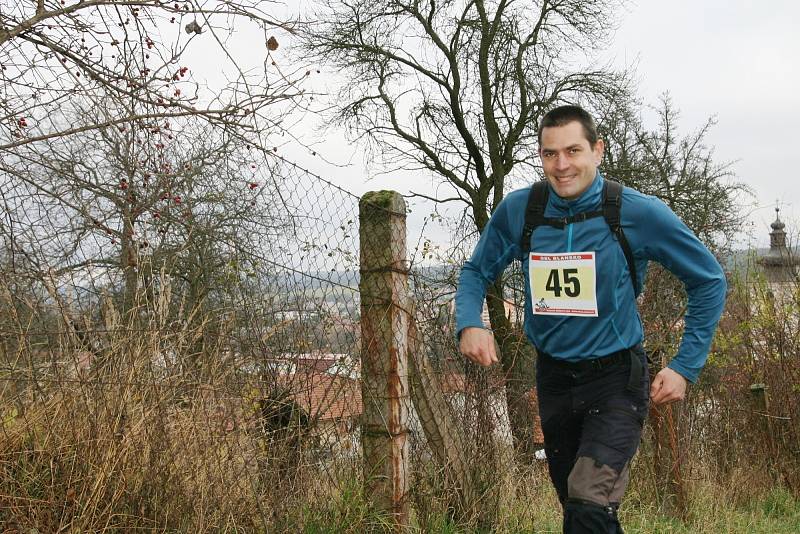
x,y
668,386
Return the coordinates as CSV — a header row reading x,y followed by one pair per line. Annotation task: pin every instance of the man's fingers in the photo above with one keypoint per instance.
x,y
489,354
668,386
481,356
666,395
478,345
662,394
491,351
655,387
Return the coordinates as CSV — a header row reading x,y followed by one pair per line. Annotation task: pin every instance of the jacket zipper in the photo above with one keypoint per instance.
x,y
569,231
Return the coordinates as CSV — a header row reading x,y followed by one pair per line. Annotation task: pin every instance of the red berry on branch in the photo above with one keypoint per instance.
x,y
253,185
176,199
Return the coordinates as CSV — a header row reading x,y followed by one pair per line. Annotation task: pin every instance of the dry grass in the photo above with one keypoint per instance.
x,y
157,437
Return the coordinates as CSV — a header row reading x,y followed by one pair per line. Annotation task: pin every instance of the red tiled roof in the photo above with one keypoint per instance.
x,y
323,396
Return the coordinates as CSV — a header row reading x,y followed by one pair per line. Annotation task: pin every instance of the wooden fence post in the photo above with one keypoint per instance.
x,y
384,346
760,408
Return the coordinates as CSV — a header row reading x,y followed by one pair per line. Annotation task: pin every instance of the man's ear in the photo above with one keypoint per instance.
x,y
599,148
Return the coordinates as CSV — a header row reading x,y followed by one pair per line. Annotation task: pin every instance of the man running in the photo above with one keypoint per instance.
x,y
585,243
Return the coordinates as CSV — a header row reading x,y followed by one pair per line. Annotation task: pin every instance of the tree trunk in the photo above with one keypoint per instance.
x,y
443,433
129,261
518,361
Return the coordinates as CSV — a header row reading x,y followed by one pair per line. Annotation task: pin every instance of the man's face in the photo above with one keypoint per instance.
x,y
569,161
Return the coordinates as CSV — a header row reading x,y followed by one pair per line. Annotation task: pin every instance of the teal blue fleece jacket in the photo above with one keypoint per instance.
x,y
654,233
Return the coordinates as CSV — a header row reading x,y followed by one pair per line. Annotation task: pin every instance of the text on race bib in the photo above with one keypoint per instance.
x,y
563,284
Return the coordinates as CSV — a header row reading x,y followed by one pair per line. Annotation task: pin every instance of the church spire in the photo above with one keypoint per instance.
x,y
777,237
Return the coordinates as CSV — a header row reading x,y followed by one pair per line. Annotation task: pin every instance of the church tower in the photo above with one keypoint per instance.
x,y
780,263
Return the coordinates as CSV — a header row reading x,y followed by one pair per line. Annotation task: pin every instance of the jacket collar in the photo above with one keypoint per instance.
x,y
588,200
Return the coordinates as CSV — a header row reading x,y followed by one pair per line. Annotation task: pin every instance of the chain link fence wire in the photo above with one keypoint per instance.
x,y
175,356
195,368
187,354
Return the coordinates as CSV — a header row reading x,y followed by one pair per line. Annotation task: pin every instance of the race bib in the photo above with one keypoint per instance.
x,y
563,284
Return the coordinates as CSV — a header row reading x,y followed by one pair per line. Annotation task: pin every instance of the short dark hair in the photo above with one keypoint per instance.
x,y
563,115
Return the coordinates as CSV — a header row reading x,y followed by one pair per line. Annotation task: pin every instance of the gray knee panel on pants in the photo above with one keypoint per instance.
x,y
598,483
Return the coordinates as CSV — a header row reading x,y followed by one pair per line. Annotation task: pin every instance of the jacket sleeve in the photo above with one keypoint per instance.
x,y
671,243
497,247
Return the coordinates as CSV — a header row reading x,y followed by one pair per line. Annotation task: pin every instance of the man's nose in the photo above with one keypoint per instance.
x,y
562,162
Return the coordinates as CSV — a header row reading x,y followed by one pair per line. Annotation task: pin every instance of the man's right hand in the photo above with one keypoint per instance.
x,y
477,344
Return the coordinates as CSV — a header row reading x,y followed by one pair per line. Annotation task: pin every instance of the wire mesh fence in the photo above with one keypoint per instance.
x,y
198,366
209,381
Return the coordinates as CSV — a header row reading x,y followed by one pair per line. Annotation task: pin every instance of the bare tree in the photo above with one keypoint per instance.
x,y
456,89
126,210
680,170
115,158
54,51
110,198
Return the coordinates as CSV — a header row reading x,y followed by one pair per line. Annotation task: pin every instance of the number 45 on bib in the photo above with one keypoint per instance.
x,y
563,284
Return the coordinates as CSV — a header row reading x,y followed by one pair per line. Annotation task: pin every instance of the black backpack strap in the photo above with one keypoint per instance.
x,y
612,204
534,214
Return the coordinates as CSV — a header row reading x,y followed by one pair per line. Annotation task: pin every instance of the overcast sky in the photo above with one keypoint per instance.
x,y
740,61
736,60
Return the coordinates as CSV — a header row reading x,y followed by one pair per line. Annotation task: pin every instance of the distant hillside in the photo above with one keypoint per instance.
x,y
738,260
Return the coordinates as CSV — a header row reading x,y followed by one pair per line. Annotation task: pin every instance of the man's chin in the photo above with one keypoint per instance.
x,y
566,192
